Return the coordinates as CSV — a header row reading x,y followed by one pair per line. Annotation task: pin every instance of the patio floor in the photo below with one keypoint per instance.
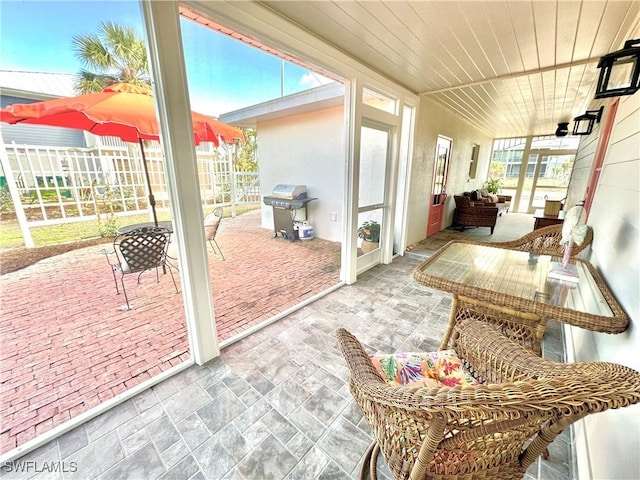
x,y
68,346
274,405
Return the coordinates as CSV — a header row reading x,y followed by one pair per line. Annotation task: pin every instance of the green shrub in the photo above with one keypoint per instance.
x,y
6,202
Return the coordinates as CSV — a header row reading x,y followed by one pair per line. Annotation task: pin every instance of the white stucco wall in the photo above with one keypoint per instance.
x,y
306,149
432,121
613,437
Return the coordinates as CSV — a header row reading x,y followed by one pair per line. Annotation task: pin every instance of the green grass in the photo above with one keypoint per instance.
x,y
11,236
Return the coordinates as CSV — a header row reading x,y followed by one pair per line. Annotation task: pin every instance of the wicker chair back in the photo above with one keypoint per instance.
x,y
492,430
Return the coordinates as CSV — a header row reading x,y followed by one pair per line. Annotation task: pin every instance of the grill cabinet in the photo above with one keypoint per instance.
x,y
284,209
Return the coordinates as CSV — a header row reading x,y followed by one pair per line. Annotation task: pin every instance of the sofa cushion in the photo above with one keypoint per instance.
x,y
432,369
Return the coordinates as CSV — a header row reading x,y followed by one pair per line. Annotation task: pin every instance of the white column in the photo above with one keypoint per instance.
x,y
166,62
353,121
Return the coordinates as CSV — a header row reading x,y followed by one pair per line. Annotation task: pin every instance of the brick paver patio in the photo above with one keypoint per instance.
x,y
67,345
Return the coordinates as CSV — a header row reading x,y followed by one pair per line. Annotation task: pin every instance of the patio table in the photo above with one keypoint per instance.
x,y
166,224
511,288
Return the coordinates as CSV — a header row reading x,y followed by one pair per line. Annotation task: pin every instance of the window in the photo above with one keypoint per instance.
x,y
473,166
378,100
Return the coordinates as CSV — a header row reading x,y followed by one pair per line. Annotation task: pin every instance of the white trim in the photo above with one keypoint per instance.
x,y
350,241
405,166
580,444
272,29
166,62
69,425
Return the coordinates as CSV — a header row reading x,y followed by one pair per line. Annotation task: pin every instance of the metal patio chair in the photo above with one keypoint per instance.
x,y
137,251
211,224
510,407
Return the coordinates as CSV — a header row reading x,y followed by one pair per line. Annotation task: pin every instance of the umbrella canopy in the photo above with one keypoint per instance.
x,y
121,110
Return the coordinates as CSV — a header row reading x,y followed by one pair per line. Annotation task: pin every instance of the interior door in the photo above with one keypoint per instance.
x,y
372,188
439,186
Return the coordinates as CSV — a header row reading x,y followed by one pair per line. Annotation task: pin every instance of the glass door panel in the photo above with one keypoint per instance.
x,y
552,180
529,173
547,178
374,153
439,187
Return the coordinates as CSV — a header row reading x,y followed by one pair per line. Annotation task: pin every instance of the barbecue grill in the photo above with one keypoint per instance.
x,y
285,200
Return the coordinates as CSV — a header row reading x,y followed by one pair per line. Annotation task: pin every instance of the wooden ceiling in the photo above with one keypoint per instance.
x,y
510,68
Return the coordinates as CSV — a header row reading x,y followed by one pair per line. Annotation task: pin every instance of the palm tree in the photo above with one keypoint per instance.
x,y
115,54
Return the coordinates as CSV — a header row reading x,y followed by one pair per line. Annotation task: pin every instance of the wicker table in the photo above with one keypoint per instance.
x,y
511,288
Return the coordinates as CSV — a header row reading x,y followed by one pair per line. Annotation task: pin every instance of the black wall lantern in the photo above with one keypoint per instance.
x,y
563,129
620,71
584,123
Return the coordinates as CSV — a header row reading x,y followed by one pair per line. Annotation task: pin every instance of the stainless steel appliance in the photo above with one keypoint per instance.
x,y
285,200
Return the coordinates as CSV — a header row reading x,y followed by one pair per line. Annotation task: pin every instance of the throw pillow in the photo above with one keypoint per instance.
x,y
494,198
432,369
484,192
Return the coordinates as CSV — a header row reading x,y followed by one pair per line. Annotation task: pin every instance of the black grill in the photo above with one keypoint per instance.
x,y
283,215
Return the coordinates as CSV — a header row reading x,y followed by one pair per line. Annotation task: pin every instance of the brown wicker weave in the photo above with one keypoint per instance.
x,y
525,328
529,313
543,241
490,431
470,214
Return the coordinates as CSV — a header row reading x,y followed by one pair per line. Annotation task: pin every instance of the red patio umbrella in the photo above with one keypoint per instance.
x,y
121,110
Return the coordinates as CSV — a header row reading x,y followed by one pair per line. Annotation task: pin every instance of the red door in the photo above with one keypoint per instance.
x,y
439,187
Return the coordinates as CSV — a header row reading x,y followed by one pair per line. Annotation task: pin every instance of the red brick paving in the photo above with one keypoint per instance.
x,y
66,346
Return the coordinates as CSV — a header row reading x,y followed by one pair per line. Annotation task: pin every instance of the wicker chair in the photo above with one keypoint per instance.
x,y
495,429
470,214
543,241
137,251
211,224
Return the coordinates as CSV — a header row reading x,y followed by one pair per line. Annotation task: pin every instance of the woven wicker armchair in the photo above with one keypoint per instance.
x,y
474,214
495,429
543,241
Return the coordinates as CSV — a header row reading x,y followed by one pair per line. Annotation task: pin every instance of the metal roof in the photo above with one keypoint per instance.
x,y
36,85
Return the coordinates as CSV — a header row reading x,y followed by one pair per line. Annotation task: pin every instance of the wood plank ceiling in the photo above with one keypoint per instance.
x,y
510,68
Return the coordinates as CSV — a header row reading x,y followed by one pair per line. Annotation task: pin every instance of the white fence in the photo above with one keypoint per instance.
x,y
51,185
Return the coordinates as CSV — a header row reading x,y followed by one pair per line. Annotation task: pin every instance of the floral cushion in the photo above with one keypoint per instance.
x,y
433,369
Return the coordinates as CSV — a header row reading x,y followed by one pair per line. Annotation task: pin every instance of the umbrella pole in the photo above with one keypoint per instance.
x,y
152,200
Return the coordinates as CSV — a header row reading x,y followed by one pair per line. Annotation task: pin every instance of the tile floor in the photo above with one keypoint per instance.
x,y
67,345
275,405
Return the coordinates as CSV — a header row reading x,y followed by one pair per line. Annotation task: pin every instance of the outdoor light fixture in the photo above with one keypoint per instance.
x,y
620,71
563,129
584,123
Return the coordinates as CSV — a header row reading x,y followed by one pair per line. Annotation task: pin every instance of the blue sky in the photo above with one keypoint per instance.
x,y
223,74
